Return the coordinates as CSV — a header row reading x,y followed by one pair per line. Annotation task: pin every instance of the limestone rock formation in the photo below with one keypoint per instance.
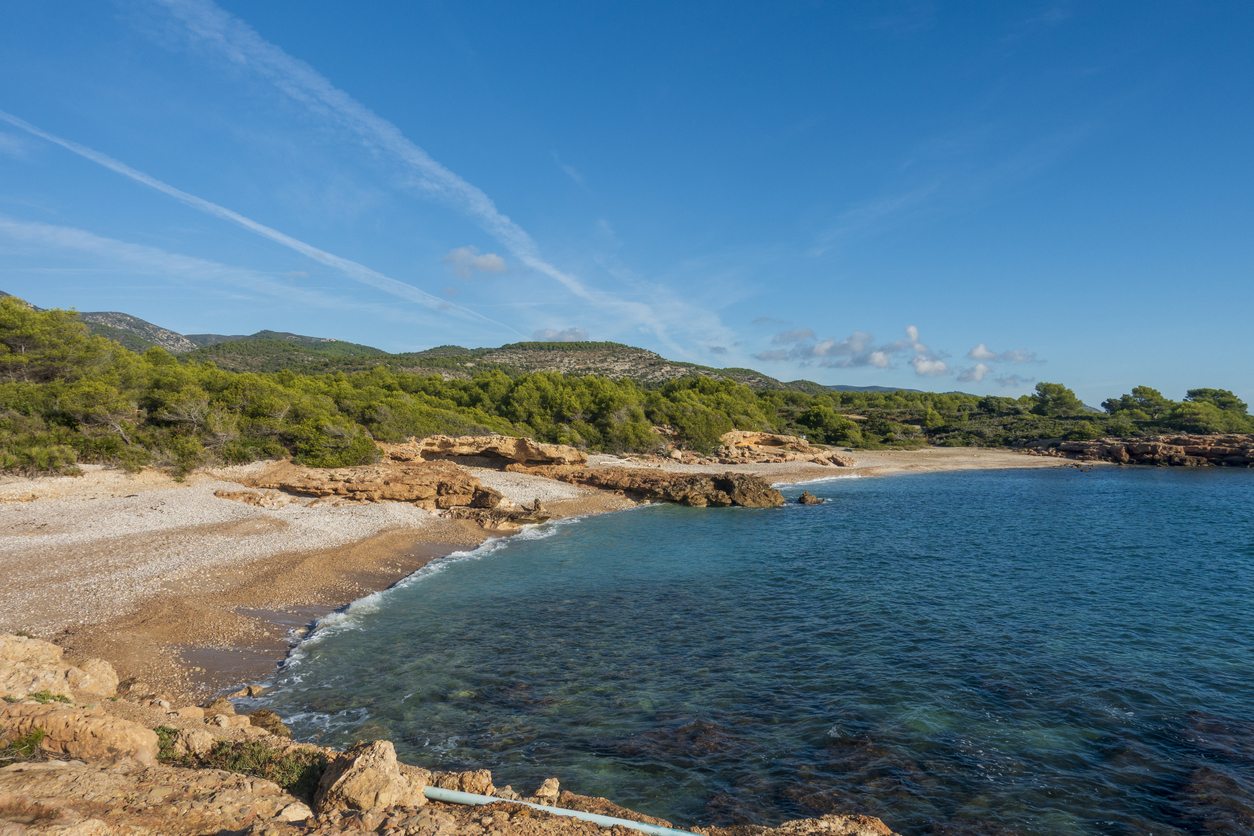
x,y
271,722
808,498
76,799
699,490
477,781
1231,450
84,734
28,665
484,450
430,485
259,500
746,447
367,777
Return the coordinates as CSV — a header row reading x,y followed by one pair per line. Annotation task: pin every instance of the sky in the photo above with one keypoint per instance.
x,y
940,196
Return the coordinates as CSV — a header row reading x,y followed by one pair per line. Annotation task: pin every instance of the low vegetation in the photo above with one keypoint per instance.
x,y
297,771
69,397
22,749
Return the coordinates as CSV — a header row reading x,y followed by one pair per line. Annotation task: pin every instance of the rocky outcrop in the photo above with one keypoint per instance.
x,y
76,799
808,498
367,777
483,450
746,447
699,490
30,665
1230,450
429,485
84,734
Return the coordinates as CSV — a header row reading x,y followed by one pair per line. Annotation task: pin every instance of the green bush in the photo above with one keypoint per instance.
x,y
297,771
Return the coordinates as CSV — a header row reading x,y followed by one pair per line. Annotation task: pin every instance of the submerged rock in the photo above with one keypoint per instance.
x,y
271,722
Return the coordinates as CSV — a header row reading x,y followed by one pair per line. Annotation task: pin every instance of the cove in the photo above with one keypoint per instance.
x,y
1044,652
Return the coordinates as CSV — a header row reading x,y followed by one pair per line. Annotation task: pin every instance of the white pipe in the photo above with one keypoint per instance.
x,y
456,797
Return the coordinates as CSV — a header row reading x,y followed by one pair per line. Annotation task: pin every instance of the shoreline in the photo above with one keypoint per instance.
x,y
197,605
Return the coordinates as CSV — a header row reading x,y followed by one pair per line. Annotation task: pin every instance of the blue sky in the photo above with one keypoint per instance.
x,y
971,196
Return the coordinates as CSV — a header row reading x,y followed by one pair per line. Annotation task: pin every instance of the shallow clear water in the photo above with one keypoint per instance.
x,y
1043,652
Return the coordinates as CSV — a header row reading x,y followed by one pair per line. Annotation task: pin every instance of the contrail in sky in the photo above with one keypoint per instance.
x,y
241,44
356,271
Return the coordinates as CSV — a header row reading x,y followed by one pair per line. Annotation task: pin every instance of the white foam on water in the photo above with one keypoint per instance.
x,y
352,616
779,485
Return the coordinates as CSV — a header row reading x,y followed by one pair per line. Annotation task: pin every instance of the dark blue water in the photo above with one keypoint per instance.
x,y
1038,652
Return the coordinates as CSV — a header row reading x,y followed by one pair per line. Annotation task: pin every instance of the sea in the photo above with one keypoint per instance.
x,y
1053,651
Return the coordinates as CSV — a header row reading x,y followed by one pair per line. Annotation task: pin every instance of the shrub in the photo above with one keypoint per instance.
x,y
297,771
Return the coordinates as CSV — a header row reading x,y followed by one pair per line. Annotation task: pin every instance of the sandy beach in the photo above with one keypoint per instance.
x,y
196,595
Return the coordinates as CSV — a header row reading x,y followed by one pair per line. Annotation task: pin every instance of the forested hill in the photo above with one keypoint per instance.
x,y
274,351
70,396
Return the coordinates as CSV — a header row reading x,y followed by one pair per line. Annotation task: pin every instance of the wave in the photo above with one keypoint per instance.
x,y
778,485
352,616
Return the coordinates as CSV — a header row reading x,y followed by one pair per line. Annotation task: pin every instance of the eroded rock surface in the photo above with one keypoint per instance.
x,y
1232,450
367,777
699,490
84,734
74,798
29,665
429,485
486,450
745,447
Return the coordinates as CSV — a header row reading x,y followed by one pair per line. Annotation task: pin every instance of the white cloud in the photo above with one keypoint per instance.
x,y
981,352
774,354
1016,355
1014,380
568,335
975,374
796,335
926,367
466,261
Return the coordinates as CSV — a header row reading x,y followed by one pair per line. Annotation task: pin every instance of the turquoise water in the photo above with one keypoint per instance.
x,y
1038,652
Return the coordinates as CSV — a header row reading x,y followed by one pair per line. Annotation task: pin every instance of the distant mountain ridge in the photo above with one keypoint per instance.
x,y
271,351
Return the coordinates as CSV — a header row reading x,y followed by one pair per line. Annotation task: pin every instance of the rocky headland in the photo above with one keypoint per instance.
x,y
1231,450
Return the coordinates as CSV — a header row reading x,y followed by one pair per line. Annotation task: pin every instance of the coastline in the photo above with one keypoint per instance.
x,y
196,596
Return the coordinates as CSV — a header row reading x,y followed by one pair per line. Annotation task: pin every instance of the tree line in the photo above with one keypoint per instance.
x,y
69,397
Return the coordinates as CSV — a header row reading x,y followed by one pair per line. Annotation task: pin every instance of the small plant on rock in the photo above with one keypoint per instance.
x,y
45,696
24,748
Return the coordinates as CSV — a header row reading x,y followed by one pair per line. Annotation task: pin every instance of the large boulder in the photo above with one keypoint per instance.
x,y
430,485
29,665
85,734
484,450
368,777
477,781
